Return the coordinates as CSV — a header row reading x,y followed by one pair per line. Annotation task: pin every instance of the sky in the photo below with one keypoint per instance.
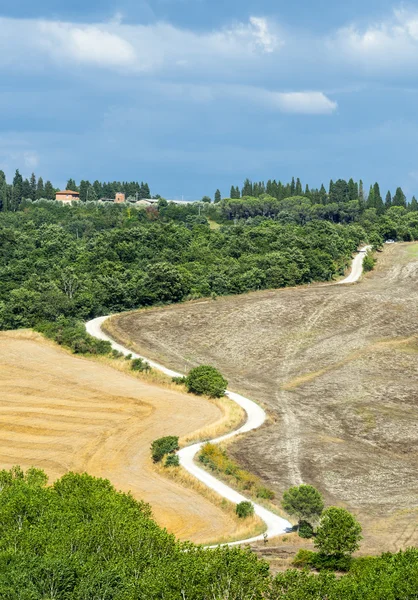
x,y
195,95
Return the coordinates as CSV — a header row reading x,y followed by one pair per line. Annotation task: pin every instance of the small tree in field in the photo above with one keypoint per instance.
x,y
339,533
207,381
303,502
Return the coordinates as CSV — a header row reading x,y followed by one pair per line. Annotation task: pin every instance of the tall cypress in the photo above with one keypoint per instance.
x,y
33,186
40,189
388,200
17,190
413,207
399,199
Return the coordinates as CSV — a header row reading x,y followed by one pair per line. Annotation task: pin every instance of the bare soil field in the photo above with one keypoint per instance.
x,y
62,413
336,368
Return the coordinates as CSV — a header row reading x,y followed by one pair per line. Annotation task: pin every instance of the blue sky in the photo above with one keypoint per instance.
x,y
191,95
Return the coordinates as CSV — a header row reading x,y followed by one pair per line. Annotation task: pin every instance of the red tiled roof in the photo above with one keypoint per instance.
x,y
69,192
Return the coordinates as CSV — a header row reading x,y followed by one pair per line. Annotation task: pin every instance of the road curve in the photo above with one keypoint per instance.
x,y
256,416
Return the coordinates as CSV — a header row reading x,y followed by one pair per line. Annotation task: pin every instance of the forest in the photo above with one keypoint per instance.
x,y
79,539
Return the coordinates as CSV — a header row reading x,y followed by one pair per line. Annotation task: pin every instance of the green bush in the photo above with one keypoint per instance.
x,y
206,380
338,533
303,502
305,530
333,562
179,380
244,509
141,365
72,334
163,446
265,493
172,460
303,558
368,262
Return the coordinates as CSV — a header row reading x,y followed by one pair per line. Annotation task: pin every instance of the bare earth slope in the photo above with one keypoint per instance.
x,y
337,369
61,413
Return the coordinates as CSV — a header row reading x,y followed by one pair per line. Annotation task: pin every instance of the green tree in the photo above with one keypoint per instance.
x,y
84,186
399,199
338,533
378,200
206,199
206,380
40,189
33,186
71,185
91,194
303,502
218,196
17,189
49,191
388,200
413,207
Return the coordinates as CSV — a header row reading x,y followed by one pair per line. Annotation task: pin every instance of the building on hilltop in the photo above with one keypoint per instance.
x,y
119,198
67,196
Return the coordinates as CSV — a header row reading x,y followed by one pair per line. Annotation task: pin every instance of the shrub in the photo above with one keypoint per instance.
x,y
244,509
368,262
117,354
163,446
172,460
179,380
72,334
265,493
206,380
128,357
141,365
333,562
305,530
303,558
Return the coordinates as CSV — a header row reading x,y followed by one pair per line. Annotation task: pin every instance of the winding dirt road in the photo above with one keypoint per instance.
x,y
256,416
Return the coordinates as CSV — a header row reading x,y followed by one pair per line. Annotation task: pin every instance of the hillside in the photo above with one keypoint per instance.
x,y
337,369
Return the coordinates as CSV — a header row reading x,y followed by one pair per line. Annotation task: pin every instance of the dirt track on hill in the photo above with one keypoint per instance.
x,y
62,413
337,369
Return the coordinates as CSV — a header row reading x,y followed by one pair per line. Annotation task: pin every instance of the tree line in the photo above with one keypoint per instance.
x,y
339,191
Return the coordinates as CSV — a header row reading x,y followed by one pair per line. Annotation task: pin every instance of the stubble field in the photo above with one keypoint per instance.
x,y
61,413
336,368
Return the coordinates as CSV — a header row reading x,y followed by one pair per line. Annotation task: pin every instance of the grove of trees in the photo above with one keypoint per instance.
x,y
80,539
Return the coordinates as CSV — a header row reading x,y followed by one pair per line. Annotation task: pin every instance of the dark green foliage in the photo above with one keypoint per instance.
x,y
305,530
206,380
81,540
179,380
172,460
163,446
141,365
338,533
303,502
218,196
72,334
244,509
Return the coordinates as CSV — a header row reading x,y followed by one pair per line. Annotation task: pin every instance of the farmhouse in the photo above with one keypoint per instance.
x,y
67,196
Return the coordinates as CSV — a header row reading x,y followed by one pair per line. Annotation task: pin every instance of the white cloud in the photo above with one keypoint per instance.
x,y
30,159
382,46
91,44
136,48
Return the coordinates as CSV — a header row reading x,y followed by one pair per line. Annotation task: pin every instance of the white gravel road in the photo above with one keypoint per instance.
x,y
256,416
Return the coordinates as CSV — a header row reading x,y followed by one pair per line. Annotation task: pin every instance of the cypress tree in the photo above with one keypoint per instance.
x,y
71,185
388,200
218,196
40,189
50,191
247,190
292,187
361,191
399,199
26,189
370,198
298,189
33,186
17,190
232,192
3,192
413,207
323,194
378,200
237,192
